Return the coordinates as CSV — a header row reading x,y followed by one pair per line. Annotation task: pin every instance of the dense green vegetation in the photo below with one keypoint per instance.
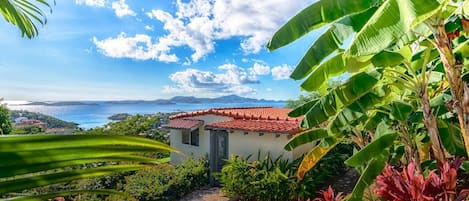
x,y
163,182
51,122
5,123
27,130
167,182
302,99
134,125
406,93
272,179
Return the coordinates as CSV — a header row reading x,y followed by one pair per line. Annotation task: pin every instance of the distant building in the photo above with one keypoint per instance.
x,y
31,122
66,131
20,119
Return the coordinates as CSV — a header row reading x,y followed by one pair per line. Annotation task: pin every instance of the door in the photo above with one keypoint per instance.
x,y
218,151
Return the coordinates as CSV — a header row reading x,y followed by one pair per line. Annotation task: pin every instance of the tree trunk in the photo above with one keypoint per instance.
x,y
459,91
432,126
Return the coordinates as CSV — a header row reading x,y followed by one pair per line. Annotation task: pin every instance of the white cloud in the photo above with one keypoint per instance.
x,y
122,9
232,80
149,27
281,72
260,69
138,47
93,3
198,24
269,89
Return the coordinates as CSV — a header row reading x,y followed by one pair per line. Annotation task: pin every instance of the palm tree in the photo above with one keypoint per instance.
x,y
25,14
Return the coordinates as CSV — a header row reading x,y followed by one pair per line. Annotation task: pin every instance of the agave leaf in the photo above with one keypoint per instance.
x,y
14,143
72,192
19,184
306,137
28,168
28,160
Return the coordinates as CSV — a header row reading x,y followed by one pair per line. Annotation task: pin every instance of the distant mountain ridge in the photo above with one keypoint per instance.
x,y
171,101
192,99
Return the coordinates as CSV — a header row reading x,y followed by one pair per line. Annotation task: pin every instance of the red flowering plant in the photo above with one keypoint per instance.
x,y
328,195
411,186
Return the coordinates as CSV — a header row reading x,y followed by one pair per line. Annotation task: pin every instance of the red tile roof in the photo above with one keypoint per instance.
x,y
288,127
246,113
258,119
183,124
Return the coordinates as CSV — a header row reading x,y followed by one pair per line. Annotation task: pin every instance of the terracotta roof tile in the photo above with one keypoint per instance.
x,y
246,113
287,127
183,124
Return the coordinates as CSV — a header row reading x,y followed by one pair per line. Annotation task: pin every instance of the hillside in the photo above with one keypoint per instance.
x,y
51,122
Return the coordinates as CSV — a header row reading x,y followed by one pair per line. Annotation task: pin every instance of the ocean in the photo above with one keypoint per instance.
x,y
96,114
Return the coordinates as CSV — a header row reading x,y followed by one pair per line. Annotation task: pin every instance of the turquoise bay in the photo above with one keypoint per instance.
x,y
96,113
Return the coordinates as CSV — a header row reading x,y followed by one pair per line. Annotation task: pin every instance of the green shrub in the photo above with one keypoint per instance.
x,y
168,182
275,179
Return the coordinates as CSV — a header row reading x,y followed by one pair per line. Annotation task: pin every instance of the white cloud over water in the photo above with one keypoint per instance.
x,y
230,79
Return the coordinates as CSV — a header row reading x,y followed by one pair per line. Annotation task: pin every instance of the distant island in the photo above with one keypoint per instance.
x,y
171,101
192,99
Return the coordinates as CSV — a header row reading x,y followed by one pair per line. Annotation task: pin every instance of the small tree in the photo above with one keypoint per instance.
x,y
5,123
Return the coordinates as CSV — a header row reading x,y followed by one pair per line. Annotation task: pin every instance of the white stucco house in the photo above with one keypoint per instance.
x,y
221,132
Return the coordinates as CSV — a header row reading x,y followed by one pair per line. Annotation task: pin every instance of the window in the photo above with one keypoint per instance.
x,y
195,137
190,137
186,137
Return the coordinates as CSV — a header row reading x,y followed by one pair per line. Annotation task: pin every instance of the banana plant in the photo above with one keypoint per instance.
x,y
377,35
386,25
39,160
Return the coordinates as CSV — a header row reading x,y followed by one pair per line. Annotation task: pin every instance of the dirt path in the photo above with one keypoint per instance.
x,y
206,194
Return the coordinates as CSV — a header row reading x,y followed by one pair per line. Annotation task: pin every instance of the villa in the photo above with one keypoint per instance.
x,y
221,132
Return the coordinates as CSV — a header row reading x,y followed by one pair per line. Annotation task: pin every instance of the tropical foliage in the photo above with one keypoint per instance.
x,y
39,160
406,91
168,182
274,178
5,123
25,14
409,185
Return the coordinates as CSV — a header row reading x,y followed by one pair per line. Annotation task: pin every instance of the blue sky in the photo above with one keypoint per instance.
x,y
146,49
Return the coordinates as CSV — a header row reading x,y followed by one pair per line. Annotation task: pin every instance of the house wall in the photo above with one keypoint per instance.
x,y
188,150
239,143
250,144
